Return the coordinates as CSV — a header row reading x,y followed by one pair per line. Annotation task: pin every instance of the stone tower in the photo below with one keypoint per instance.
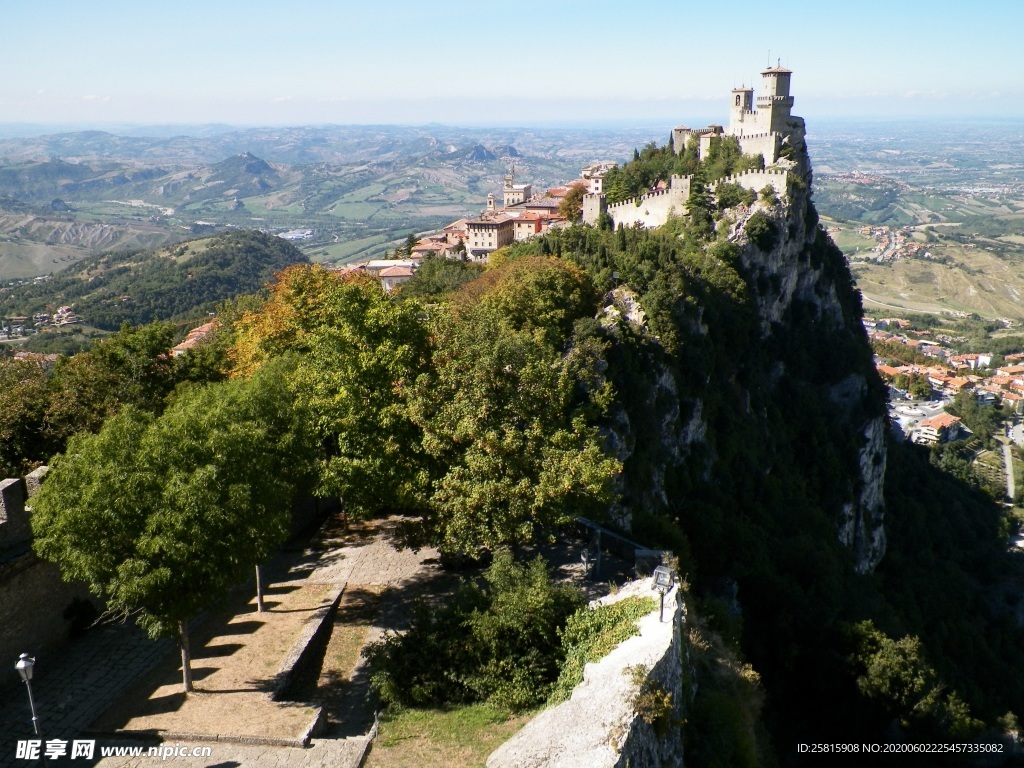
x,y
742,111
514,194
774,103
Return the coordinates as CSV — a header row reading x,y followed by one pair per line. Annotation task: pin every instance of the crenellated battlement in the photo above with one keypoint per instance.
x,y
762,132
637,201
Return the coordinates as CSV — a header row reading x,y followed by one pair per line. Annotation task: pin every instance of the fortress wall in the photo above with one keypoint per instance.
x,y
599,726
593,206
14,525
652,211
758,180
766,144
33,597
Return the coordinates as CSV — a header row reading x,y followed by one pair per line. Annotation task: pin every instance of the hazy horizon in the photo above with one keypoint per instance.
x,y
396,62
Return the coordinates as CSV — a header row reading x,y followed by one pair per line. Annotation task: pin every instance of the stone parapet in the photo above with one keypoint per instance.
x,y
600,725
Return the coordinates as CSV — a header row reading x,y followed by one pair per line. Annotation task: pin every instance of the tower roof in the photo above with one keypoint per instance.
x,y
777,71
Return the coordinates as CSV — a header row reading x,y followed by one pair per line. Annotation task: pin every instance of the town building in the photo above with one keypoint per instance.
x,y
392,277
487,233
943,428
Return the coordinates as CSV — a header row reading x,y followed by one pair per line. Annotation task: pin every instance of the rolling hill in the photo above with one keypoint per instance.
x,y
360,189
175,282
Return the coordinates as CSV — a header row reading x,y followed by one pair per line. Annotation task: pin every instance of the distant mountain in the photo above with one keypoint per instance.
x,y
479,154
183,280
42,181
359,189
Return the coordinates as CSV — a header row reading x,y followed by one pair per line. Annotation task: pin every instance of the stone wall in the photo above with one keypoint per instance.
x,y
600,725
765,144
33,603
14,526
33,597
654,209
758,180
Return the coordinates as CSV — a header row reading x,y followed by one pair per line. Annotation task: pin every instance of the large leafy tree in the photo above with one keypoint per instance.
x,y
505,413
358,353
571,207
162,515
131,367
22,407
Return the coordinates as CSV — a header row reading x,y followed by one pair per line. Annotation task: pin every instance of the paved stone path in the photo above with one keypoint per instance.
x,y
1011,488
74,690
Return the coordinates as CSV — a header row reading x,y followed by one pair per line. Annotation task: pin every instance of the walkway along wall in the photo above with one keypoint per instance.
x,y
600,726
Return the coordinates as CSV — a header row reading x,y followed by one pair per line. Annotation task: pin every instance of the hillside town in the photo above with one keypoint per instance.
x,y
523,213
993,380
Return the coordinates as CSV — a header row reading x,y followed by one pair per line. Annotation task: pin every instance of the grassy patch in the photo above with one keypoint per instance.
x,y
461,736
593,633
991,466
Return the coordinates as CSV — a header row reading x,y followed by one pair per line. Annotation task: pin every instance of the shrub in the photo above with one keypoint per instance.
x,y
731,195
592,633
497,642
762,231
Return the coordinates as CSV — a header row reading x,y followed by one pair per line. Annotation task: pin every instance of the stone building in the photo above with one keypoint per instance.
x,y
760,131
515,193
488,233
765,131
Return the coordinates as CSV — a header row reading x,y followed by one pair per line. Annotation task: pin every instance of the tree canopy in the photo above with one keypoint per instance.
x,y
160,515
505,412
358,354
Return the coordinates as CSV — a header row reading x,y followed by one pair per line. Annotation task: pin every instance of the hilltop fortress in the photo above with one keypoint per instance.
x,y
770,131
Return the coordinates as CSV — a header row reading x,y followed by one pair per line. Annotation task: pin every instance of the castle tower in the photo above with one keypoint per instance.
x,y
490,201
775,101
513,193
742,107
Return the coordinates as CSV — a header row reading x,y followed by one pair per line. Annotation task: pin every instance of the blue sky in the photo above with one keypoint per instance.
x,y
251,62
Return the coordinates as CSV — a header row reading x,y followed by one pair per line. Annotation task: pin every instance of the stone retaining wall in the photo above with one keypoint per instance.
x,y
600,725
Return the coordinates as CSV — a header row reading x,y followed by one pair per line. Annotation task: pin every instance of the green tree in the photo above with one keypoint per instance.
x,y
161,515
700,206
22,407
131,367
505,413
359,353
896,674
497,641
571,207
982,420
438,276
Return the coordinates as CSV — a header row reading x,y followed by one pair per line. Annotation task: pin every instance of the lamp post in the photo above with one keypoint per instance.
x,y
662,581
25,665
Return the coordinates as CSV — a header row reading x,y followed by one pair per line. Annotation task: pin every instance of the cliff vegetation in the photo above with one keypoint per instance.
x,y
707,386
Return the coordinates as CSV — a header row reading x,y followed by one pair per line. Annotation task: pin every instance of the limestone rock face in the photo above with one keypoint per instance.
x,y
860,524
800,287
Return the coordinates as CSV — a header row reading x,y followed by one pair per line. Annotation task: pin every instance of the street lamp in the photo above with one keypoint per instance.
x,y
25,665
662,581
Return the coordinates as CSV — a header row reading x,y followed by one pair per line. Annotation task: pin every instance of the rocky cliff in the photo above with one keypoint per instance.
x,y
791,337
